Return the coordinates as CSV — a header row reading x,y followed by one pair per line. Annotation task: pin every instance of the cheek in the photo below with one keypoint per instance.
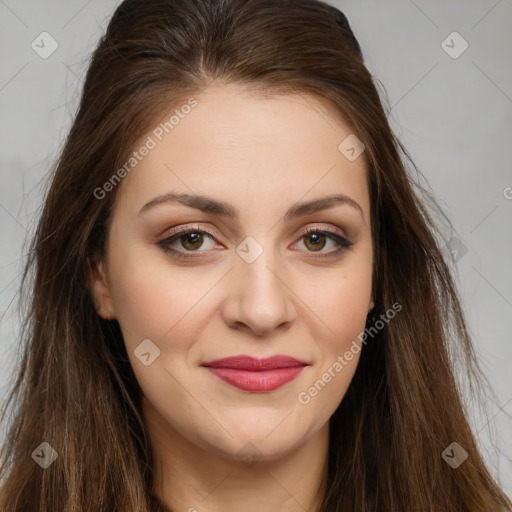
x,y
338,306
340,299
153,301
166,306
342,310
341,305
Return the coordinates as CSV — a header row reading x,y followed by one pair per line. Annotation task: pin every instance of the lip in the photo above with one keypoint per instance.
x,y
257,375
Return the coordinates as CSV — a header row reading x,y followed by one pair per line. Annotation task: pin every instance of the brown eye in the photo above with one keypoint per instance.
x,y
188,242
315,241
192,241
325,243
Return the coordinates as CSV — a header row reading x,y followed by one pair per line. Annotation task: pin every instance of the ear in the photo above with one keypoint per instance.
x,y
100,289
371,305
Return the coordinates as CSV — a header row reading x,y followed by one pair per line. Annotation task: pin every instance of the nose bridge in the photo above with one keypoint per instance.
x,y
260,298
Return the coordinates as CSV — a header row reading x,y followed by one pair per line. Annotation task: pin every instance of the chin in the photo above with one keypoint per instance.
x,y
253,445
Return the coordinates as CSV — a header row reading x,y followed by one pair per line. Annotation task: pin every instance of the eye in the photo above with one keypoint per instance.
x,y
192,239
315,240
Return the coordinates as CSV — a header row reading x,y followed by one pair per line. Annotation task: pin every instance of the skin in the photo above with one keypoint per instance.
x,y
261,155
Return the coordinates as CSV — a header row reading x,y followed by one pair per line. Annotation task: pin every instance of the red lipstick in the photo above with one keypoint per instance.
x,y
257,375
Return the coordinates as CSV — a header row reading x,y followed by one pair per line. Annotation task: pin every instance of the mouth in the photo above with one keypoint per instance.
x,y
256,375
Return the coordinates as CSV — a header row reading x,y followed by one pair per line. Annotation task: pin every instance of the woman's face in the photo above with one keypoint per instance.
x,y
247,280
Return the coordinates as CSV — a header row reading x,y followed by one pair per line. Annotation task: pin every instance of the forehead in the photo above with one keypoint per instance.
x,y
240,145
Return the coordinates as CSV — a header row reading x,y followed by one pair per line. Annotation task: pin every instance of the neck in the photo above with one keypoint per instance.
x,y
192,479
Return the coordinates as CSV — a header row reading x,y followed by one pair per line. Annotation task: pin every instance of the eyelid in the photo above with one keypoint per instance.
x,y
187,229
332,232
327,229
196,227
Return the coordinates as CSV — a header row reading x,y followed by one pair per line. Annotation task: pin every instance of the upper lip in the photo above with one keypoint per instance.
x,y
255,364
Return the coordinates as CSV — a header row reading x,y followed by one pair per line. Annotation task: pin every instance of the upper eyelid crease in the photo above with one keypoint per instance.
x,y
340,240
184,230
210,205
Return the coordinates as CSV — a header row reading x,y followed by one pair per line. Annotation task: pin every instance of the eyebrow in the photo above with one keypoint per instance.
x,y
210,205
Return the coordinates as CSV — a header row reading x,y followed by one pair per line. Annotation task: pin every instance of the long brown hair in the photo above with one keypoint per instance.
x,y
75,388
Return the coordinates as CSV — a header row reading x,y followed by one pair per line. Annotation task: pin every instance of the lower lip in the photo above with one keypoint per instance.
x,y
267,380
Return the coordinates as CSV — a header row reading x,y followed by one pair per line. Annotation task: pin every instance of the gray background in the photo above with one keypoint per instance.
x,y
453,114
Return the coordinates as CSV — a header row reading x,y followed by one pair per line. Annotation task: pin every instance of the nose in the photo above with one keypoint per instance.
x,y
258,300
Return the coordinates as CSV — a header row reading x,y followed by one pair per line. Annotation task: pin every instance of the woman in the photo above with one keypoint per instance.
x,y
239,301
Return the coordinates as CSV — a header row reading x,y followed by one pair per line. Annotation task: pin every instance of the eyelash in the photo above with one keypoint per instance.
x,y
342,242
